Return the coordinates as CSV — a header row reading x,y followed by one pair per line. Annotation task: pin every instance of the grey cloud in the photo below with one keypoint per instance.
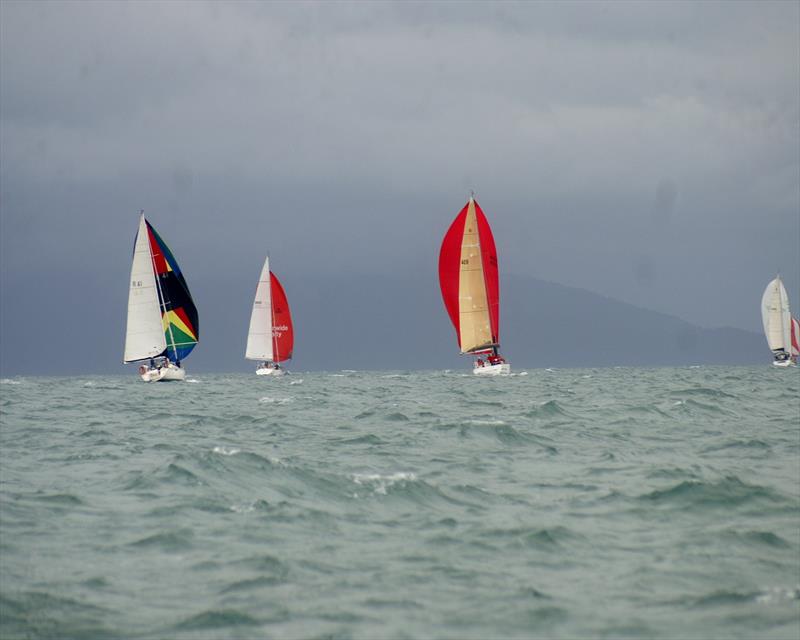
x,y
646,151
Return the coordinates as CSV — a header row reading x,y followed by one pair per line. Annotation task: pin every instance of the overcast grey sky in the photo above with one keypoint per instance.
x,y
645,151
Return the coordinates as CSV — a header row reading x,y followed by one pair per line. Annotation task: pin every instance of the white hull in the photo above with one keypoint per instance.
x,y
269,371
783,363
164,374
493,370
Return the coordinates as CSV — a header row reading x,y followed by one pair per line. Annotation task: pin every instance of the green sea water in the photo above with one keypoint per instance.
x,y
604,503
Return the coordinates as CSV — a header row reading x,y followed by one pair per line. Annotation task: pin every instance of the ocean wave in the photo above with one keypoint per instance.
x,y
707,392
547,409
775,595
270,400
547,538
217,619
226,451
179,540
694,407
758,538
734,598
727,492
396,416
368,438
497,430
251,584
753,443
380,484
249,507
40,614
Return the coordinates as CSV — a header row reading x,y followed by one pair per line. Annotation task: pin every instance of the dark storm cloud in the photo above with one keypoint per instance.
x,y
647,151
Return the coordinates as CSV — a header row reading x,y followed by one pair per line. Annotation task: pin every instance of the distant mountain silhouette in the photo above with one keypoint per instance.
x,y
553,325
366,322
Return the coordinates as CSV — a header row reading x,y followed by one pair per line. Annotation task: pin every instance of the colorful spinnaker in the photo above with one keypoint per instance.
x,y
270,337
795,338
469,280
162,317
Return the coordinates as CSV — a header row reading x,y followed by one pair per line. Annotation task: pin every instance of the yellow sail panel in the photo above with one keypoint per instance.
x,y
474,324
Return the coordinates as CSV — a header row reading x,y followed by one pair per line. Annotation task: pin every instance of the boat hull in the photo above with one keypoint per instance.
x,y
502,369
269,371
164,374
783,363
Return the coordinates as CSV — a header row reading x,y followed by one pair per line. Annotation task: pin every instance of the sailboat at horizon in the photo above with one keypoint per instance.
x,y
270,337
469,280
162,326
779,325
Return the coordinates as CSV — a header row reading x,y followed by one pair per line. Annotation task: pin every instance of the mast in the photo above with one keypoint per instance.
x,y
483,269
496,342
780,311
274,342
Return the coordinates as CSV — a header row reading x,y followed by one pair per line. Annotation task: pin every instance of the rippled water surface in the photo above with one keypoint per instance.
x,y
644,503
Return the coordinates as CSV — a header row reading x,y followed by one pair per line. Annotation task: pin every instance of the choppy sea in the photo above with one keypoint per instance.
x,y
602,503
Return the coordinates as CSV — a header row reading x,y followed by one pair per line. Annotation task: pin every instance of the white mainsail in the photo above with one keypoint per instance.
x,y
259,336
144,337
776,316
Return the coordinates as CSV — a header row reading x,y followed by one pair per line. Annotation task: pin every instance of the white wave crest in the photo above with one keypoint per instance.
x,y
486,423
9,381
226,451
300,381
772,595
195,380
381,483
268,400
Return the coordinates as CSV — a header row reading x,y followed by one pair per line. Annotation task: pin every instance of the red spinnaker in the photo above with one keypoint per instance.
x,y
450,268
282,330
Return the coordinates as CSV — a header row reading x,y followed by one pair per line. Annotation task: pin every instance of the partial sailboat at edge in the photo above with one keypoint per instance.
x,y
162,326
469,280
270,338
779,326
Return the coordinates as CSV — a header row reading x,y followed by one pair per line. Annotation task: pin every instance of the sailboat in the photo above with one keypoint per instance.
x,y
270,338
777,321
162,326
794,348
468,277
